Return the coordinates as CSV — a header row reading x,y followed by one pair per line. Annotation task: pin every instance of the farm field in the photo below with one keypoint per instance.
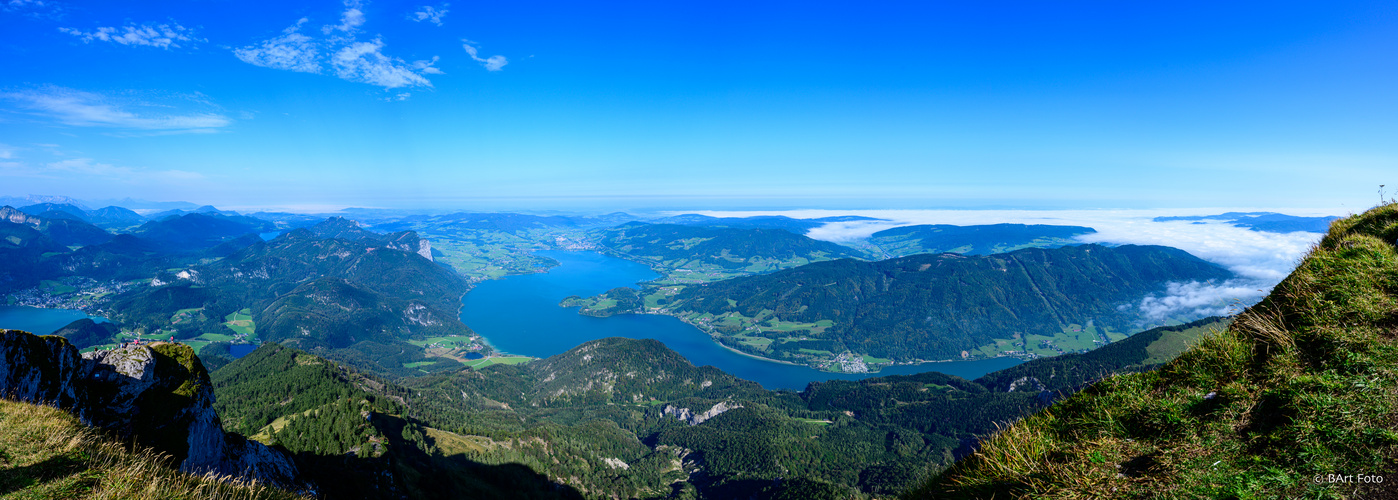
x,y
241,323
448,342
498,360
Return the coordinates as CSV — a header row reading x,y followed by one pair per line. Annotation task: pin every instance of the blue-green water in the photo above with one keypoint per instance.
x,y
520,315
38,320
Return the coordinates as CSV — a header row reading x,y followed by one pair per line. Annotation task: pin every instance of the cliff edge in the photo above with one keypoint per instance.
x,y
158,395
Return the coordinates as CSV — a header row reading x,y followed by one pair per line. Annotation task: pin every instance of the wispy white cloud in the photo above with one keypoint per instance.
x,y
430,14
88,166
32,8
365,62
350,20
350,58
90,169
85,109
492,63
292,51
164,36
426,67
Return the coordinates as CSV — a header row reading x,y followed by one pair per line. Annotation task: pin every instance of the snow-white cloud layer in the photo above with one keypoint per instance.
x,y
1259,259
1195,299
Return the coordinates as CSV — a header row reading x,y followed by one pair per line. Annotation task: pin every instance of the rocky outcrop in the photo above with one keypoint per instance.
x,y
156,394
40,370
409,241
688,416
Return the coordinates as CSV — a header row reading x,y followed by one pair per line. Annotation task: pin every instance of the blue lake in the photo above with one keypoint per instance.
x,y
38,320
520,315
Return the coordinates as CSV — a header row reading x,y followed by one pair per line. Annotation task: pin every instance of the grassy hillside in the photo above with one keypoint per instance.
x,y
1296,399
1142,351
47,453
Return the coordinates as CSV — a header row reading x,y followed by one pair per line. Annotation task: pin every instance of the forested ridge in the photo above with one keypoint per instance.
x,y
936,306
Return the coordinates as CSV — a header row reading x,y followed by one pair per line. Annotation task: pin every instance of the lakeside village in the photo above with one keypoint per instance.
x,y
75,292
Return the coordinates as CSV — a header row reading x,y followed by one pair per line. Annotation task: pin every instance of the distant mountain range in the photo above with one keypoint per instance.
x,y
798,226
726,249
974,240
1270,222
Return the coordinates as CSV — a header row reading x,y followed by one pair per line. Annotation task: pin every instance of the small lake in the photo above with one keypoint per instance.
x,y
38,320
520,315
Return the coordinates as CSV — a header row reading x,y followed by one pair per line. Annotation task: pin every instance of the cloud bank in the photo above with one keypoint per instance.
x,y
1259,259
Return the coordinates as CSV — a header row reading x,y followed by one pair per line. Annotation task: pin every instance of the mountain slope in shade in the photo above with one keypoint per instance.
x,y
196,231
62,227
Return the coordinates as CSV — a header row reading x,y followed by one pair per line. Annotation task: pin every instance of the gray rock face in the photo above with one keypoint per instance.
x,y
158,394
688,416
40,369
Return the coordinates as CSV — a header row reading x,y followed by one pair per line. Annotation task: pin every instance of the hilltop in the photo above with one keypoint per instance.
x,y
1295,400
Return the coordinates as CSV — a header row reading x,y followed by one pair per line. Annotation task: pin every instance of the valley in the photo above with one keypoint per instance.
x,y
707,358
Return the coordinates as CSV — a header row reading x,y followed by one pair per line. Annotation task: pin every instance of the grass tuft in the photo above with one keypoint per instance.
x,y
47,453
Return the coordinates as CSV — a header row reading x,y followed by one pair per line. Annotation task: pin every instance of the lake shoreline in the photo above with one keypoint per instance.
x,y
521,315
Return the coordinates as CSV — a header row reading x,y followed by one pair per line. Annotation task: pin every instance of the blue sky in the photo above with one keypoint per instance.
x,y
712,105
